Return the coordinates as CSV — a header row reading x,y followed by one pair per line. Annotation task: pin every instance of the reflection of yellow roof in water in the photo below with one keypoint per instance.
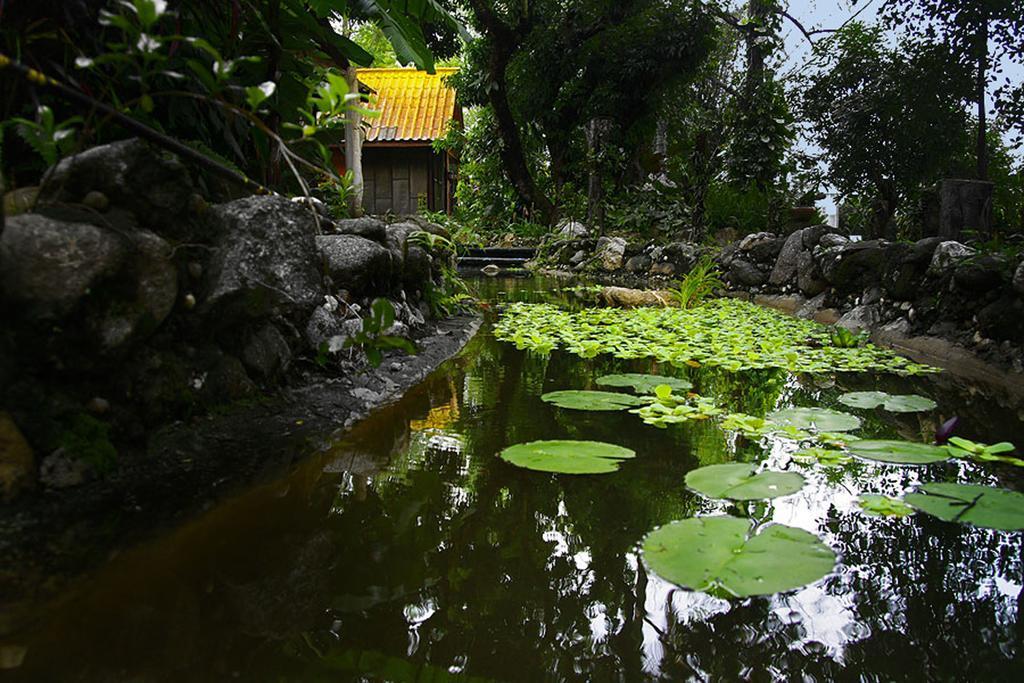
x,y
414,105
440,417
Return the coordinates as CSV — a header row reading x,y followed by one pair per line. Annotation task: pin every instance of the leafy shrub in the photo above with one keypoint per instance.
x,y
748,209
698,284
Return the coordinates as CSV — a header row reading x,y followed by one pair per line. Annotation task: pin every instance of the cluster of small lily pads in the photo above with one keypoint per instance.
x,y
727,333
733,556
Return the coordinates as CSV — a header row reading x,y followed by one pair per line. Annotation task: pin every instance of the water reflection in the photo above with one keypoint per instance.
x,y
409,551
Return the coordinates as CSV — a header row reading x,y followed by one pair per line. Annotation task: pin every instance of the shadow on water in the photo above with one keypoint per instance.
x,y
409,551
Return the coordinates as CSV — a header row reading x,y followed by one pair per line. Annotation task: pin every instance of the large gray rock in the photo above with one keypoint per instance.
x,y
855,266
832,239
640,263
266,353
808,276
906,267
369,227
266,259
745,274
765,252
682,255
1003,319
785,265
409,260
611,252
1018,279
154,185
47,267
946,255
977,276
149,282
355,263
860,318
570,229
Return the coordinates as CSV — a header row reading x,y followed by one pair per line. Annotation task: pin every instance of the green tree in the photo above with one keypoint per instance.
x,y
888,118
979,35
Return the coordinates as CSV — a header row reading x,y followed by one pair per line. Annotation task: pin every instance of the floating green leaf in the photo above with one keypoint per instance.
x,y
567,457
965,448
591,400
899,452
718,555
643,384
884,506
982,506
738,481
825,456
903,403
822,419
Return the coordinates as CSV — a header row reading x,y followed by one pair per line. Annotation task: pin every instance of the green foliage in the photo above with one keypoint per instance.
x,y
742,481
964,448
899,452
819,419
644,384
982,506
567,457
729,557
665,408
827,457
727,333
744,209
884,506
88,439
843,338
699,284
371,338
590,400
48,138
905,403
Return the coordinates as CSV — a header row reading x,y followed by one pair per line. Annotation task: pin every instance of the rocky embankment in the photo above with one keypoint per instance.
x,y
932,287
130,302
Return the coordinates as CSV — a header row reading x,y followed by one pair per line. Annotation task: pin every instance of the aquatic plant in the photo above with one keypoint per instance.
x,y
842,338
904,403
567,457
884,506
827,457
591,400
698,284
730,557
964,448
644,384
983,506
666,408
899,452
742,481
727,333
822,419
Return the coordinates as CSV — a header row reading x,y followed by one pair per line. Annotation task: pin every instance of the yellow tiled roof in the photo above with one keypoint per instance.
x,y
414,105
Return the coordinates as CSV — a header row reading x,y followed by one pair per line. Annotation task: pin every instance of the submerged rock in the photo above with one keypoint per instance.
x,y
623,297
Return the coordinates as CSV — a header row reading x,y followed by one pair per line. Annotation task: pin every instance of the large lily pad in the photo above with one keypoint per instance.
x,y
643,384
822,419
714,554
738,481
567,457
592,400
982,506
899,452
903,403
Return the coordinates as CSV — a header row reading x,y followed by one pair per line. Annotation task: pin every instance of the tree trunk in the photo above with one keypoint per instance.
x,y
982,78
596,133
758,11
354,148
513,158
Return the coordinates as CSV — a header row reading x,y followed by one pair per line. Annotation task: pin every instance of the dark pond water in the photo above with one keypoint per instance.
x,y
410,551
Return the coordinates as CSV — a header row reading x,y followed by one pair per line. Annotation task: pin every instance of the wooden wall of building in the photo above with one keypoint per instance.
x,y
394,179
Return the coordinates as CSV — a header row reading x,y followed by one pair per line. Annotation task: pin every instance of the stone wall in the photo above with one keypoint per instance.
x,y
932,287
128,301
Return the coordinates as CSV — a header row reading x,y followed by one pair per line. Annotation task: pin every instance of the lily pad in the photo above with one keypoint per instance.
x,y
899,452
826,456
883,506
591,400
738,481
714,554
643,384
982,506
822,419
903,403
567,457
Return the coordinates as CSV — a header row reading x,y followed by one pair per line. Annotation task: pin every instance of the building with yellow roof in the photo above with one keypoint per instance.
x,y
401,170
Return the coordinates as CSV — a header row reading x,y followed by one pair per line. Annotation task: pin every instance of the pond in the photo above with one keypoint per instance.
x,y
411,551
